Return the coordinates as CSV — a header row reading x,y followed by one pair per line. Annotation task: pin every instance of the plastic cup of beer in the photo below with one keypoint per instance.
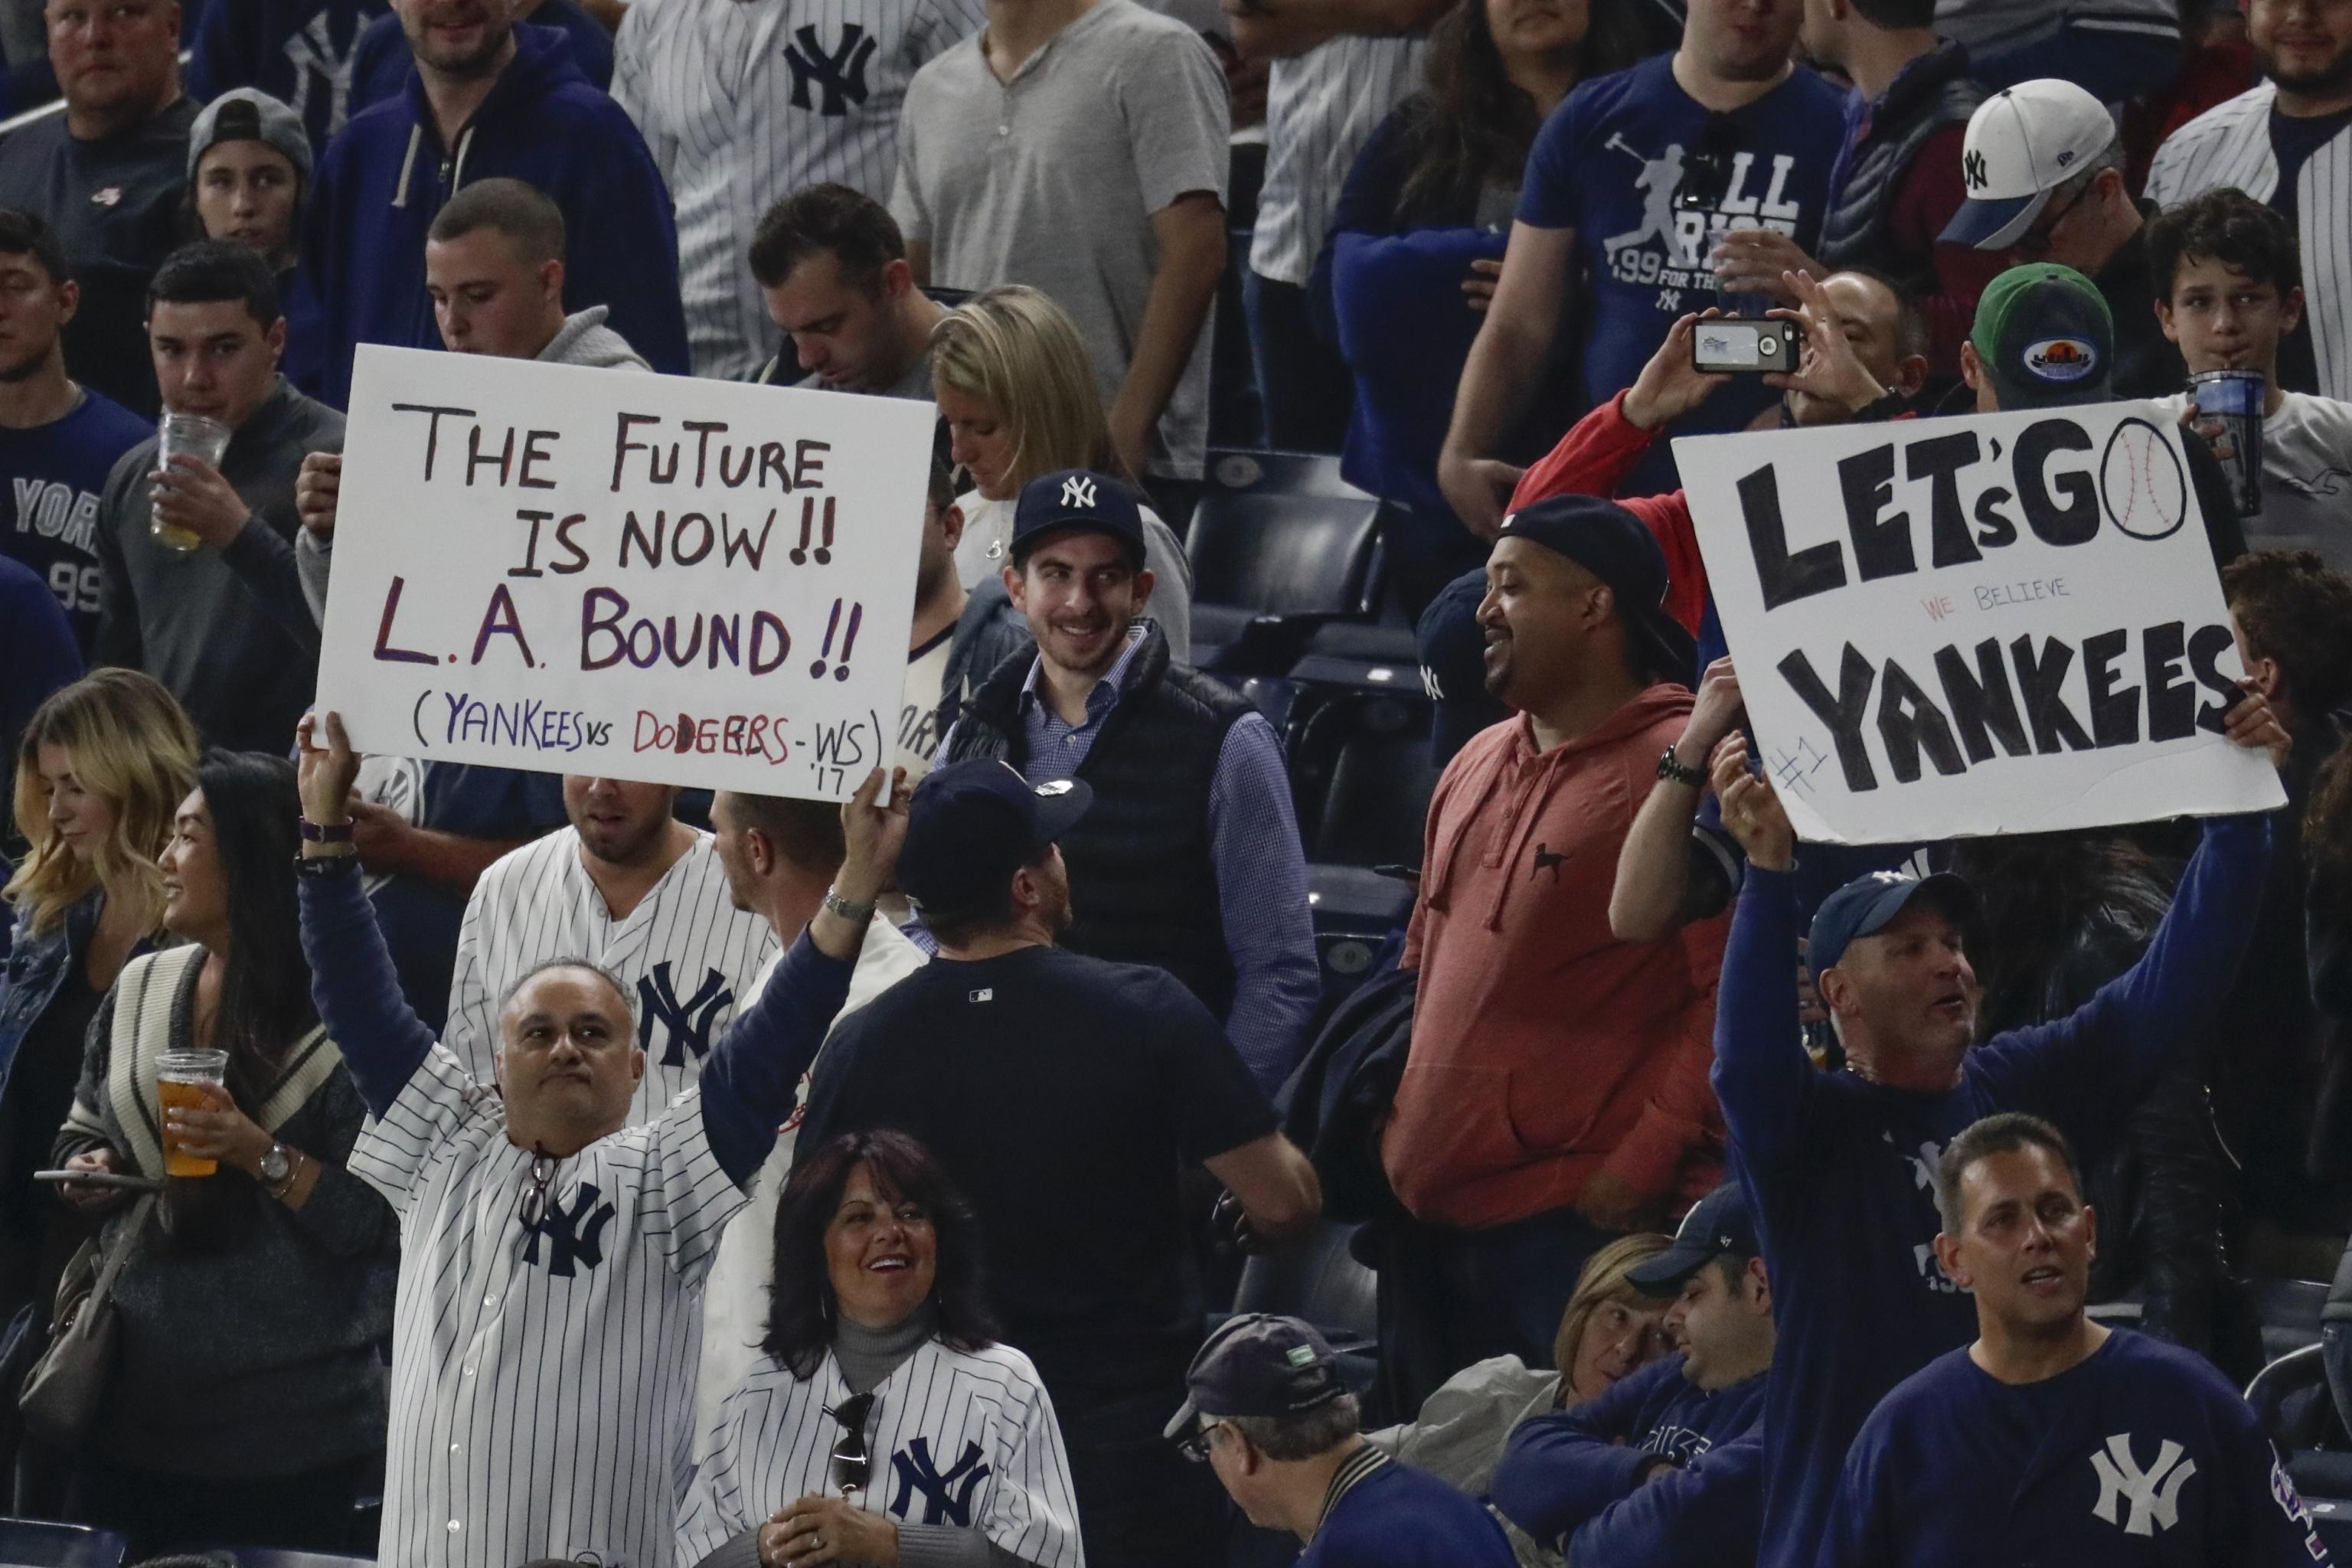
x,y
192,1080
192,436
2233,399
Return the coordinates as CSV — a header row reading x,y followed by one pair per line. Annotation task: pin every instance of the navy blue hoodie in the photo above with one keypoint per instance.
x,y
387,174
300,52
2141,1457
1578,1474
1840,1171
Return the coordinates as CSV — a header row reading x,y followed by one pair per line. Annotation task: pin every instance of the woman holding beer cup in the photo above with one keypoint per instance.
x,y
100,768
246,1405
883,1426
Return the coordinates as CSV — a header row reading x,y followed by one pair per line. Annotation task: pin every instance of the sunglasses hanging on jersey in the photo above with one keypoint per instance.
x,y
1706,168
851,1465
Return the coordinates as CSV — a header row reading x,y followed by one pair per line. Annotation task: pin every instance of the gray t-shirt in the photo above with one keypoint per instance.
x,y
2306,478
1052,180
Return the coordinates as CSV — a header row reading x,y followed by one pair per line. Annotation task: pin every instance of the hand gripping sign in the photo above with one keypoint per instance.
x,y
2004,622
637,577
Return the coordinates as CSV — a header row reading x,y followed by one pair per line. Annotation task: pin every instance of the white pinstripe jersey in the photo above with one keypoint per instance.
x,y
542,1396
2230,145
686,954
956,1438
745,101
1321,107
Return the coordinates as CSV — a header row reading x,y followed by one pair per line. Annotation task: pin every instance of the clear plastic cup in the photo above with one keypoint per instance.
x,y
1747,306
2233,399
188,434
192,1080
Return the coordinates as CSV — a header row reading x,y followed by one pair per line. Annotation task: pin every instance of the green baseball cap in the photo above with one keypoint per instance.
x,y
2046,337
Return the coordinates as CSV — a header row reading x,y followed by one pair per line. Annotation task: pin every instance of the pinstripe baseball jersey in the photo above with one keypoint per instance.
x,y
956,1438
1321,107
745,101
2230,145
565,1354
735,1304
685,952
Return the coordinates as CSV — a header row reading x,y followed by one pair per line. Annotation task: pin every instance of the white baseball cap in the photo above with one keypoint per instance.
x,y
2023,143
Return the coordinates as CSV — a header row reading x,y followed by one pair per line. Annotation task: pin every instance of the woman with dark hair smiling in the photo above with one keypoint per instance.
x,y
246,1399
884,1426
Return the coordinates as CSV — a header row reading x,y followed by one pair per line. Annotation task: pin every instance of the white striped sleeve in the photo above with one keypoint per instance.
x,y
685,1196
469,1032
434,1106
714,1513
1032,1509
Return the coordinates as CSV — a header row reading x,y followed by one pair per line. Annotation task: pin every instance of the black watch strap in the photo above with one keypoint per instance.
x,y
1671,767
325,864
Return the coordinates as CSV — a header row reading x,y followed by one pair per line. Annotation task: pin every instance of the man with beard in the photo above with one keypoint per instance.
x,y
59,440
1062,1093
488,98
630,888
2097,1445
1192,863
2288,141
107,175
1555,1093
1633,180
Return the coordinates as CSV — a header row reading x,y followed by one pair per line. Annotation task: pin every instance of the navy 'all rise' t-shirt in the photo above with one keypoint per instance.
x,y
1610,163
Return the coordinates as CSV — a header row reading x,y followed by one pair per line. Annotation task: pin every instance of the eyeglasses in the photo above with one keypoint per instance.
x,y
1194,1444
852,1467
2034,243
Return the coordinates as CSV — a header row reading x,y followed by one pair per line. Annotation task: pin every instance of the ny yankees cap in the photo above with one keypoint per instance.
x,y
2046,337
1716,1226
2023,143
1866,906
248,115
1618,548
1258,1364
1069,498
972,825
1454,665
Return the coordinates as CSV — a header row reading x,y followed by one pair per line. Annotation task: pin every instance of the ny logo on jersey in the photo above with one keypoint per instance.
x,y
576,1237
319,64
841,74
2154,1493
688,1023
947,1498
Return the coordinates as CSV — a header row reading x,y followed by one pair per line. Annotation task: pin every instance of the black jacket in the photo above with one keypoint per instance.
x,y
1931,92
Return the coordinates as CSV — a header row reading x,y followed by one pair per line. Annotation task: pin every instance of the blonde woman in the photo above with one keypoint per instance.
x,y
102,766
1018,394
1609,1330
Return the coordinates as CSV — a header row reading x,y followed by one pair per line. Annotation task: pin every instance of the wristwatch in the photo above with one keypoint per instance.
x,y
276,1169
849,910
1672,767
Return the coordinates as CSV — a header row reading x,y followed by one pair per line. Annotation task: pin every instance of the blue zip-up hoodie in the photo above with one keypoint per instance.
x,y
1578,1474
387,174
2141,1457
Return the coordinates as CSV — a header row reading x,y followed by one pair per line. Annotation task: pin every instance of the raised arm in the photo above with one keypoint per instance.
x,y
749,1082
1762,1075
352,983
1650,900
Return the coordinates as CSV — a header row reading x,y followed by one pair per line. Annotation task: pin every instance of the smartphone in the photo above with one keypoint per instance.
x,y
99,1179
1743,348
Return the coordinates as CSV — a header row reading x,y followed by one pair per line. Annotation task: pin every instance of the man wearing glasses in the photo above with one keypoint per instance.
x,y
2044,173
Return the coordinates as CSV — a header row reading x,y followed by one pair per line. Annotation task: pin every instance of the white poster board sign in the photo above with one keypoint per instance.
x,y
634,577
2004,622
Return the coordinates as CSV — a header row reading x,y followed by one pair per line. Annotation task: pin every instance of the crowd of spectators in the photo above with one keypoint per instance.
x,y
474,1167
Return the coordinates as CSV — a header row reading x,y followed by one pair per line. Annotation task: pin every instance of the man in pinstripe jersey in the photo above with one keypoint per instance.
x,y
552,1256
745,101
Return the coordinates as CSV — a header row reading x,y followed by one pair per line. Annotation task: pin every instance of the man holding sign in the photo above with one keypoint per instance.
x,y
1839,1165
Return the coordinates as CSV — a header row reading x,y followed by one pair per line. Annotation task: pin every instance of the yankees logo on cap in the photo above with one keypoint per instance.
x,y
1079,491
1072,499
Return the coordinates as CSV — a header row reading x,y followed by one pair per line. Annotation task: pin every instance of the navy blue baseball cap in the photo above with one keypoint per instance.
x,y
1717,1226
1452,649
1072,499
1618,548
1258,1364
1865,906
972,825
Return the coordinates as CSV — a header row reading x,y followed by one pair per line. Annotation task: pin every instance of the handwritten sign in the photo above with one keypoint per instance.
x,y
646,577
1998,624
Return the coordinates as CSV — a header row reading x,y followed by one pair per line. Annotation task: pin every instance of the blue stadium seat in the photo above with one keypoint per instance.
x,y
1280,546
35,1543
1319,1279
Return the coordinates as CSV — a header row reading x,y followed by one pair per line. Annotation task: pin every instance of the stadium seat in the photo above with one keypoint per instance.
x,y
1280,546
269,1557
35,1543
1319,1279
